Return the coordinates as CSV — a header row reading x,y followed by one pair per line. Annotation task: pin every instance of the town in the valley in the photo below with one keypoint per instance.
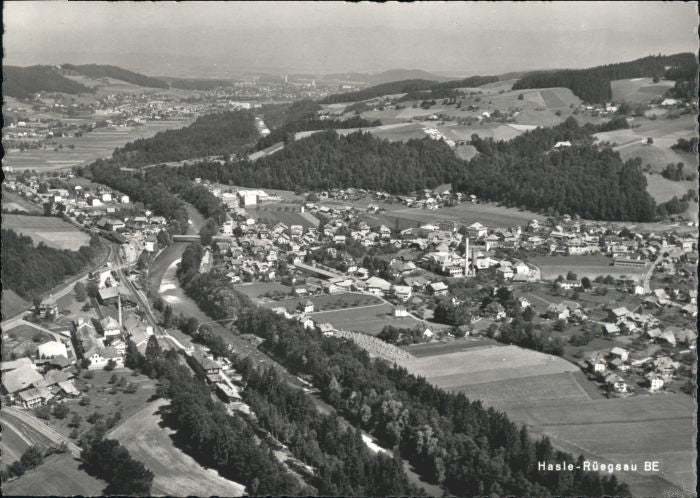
x,y
367,283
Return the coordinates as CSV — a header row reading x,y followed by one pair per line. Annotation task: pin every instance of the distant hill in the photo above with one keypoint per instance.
x,y
415,89
97,71
593,84
23,82
195,83
387,76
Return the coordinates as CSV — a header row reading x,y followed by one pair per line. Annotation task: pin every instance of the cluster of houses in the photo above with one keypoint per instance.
x,y
29,383
612,370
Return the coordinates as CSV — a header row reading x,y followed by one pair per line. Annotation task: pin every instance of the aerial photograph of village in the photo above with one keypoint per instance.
x,y
349,249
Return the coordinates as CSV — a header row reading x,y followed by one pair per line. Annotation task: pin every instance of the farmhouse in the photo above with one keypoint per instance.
x,y
206,366
438,289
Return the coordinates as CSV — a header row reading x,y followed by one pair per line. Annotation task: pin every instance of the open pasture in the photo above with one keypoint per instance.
x,y
564,387
583,266
12,303
17,436
467,213
369,320
289,214
59,475
639,90
329,302
256,289
438,348
478,365
52,231
663,189
12,201
176,473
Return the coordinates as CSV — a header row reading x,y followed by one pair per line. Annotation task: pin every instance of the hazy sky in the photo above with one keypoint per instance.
x,y
323,37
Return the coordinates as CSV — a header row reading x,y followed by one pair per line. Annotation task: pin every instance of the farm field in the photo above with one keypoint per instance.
x,y
289,214
52,231
663,189
466,213
369,320
552,398
630,430
438,348
59,475
329,302
17,436
256,289
641,90
12,303
465,368
12,201
584,266
91,146
176,474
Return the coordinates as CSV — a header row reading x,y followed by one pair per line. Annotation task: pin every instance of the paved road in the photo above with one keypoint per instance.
x,y
647,276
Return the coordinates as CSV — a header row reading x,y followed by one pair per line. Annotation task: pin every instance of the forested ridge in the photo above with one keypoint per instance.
x,y
211,134
97,71
449,440
30,269
326,160
415,89
584,179
24,82
593,84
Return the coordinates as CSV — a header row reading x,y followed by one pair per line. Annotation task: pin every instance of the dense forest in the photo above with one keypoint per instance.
x,y
211,134
97,71
524,172
30,270
593,84
24,82
448,439
585,180
325,160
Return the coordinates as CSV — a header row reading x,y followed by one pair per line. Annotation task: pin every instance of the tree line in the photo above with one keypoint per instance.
x,y
593,84
97,71
211,134
30,269
449,440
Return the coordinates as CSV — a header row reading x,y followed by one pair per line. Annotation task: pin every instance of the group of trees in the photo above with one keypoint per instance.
x,y
110,461
593,84
448,439
30,459
343,464
30,270
675,173
582,179
684,145
401,336
216,439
